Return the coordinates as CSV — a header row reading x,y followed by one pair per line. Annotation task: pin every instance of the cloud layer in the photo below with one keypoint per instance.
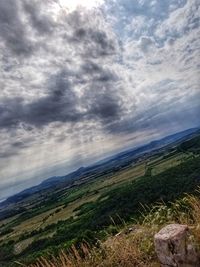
x,y
79,85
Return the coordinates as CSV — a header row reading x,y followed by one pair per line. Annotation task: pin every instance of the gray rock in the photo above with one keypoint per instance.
x,y
174,248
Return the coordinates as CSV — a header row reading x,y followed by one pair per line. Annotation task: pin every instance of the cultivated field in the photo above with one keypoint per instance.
x,y
67,213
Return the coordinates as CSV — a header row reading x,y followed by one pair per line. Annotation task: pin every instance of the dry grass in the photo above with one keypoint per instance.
x,y
124,252
195,227
135,248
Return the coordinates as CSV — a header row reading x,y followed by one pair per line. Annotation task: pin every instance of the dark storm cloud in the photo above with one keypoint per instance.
x,y
105,107
7,154
102,97
96,43
58,105
97,73
90,42
61,103
90,68
12,30
92,39
11,110
39,21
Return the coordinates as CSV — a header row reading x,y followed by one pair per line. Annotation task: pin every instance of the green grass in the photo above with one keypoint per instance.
x,y
166,163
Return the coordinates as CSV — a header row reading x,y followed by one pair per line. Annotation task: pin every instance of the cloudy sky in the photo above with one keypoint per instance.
x,y
83,79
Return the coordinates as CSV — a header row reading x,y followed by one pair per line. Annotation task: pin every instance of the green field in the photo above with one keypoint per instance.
x,y
86,211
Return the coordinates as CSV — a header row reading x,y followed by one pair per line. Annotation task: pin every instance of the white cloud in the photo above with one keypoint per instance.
x,y
82,85
180,21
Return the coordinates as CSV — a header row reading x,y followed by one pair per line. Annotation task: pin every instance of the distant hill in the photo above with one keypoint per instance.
x,y
174,138
116,161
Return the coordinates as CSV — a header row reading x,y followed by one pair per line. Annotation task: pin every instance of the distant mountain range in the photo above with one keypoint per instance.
x,y
116,161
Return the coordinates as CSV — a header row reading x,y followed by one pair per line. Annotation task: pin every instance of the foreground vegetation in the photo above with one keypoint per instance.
x,y
81,218
135,248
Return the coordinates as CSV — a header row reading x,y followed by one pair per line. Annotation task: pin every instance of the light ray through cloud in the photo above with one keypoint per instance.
x,y
81,80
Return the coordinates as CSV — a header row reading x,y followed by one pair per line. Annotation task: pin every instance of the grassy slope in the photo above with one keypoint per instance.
x,y
135,248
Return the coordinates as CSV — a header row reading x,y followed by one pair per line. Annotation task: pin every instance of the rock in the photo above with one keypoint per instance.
x,y
173,247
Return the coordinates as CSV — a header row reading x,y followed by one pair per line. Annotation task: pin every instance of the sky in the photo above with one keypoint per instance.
x,y
82,79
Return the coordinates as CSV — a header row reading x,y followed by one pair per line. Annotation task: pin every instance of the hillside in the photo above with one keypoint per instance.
x,y
133,245
97,206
